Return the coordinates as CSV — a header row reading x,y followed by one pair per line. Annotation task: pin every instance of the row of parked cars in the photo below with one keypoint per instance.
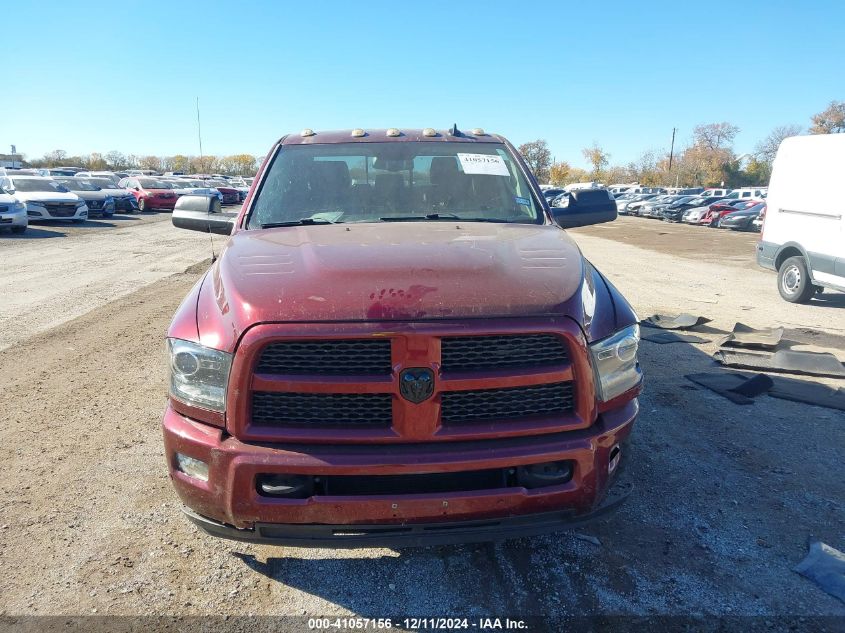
x,y
738,209
28,195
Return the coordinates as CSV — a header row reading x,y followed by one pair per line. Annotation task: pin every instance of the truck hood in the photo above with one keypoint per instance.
x,y
405,271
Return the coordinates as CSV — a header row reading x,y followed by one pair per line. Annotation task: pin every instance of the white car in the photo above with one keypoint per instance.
x,y
12,213
45,199
108,175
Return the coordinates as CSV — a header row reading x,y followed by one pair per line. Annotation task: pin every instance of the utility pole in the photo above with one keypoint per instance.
x,y
672,149
199,133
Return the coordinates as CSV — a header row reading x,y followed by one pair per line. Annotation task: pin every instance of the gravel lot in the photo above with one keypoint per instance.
x,y
726,498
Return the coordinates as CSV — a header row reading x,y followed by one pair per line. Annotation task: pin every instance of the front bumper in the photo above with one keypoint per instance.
x,y
161,203
229,504
18,218
36,212
413,534
127,203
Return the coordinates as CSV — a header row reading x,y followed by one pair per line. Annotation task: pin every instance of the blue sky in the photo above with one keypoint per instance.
x,y
98,76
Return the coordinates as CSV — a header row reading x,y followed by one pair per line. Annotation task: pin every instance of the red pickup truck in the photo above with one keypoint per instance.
x,y
399,345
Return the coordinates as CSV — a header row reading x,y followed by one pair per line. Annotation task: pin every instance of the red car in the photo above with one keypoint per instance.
x,y
230,194
150,193
722,208
399,346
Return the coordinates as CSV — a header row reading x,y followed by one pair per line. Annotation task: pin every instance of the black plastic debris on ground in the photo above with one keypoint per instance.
x,y
746,336
680,322
825,566
785,361
738,388
742,388
668,336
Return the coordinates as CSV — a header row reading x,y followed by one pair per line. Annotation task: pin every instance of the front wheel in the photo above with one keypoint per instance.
x,y
142,205
794,281
18,229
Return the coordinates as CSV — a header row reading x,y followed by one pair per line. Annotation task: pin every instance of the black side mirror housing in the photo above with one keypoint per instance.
x,y
202,213
585,207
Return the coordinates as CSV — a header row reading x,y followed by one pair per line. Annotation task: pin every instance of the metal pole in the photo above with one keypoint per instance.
x,y
199,134
672,149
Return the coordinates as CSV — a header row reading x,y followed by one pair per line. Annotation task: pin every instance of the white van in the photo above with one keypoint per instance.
x,y
804,228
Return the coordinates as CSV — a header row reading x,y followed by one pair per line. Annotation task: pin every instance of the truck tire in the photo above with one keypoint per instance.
x,y
794,282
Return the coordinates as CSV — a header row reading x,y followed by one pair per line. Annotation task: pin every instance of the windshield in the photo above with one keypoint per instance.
x,y
103,183
78,185
149,183
371,182
38,184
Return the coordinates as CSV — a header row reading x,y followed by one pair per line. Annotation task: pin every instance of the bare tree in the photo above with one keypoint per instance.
x,y
715,136
766,149
539,158
831,120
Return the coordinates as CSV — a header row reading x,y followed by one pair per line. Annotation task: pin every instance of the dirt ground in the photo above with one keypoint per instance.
x,y
726,496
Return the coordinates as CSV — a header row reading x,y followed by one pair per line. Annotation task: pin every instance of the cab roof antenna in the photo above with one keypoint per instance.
x,y
454,131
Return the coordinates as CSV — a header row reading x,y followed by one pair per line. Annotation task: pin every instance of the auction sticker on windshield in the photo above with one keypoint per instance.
x,y
488,164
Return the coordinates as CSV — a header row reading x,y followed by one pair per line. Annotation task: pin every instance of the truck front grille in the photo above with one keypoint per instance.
x,y
347,389
331,410
327,358
509,403
485,353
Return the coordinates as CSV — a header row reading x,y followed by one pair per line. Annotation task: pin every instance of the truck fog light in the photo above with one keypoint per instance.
x,y
289,486
545,474
192,467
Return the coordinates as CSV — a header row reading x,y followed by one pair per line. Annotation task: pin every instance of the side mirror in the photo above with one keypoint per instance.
x,y
202,213
585,207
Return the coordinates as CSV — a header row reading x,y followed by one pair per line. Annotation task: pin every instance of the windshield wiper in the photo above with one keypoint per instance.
x,y
302,222
437,216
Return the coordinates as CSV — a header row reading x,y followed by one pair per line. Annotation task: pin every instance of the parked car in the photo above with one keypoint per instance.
x,y
45,199
108,175
230,194
720,208
98,201
804,223
654,208
348,374
150,193
622,205
124,200
201,187
674,212
743,219
635,207
12,213
550,194
62,171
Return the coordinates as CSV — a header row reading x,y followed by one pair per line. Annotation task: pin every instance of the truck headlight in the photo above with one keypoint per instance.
x,y
615,363
198,375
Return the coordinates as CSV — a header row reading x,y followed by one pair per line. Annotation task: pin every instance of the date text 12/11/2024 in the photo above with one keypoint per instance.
x,y
417,624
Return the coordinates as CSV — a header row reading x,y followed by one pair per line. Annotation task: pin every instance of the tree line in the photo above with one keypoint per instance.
x,y
235,165
709,160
